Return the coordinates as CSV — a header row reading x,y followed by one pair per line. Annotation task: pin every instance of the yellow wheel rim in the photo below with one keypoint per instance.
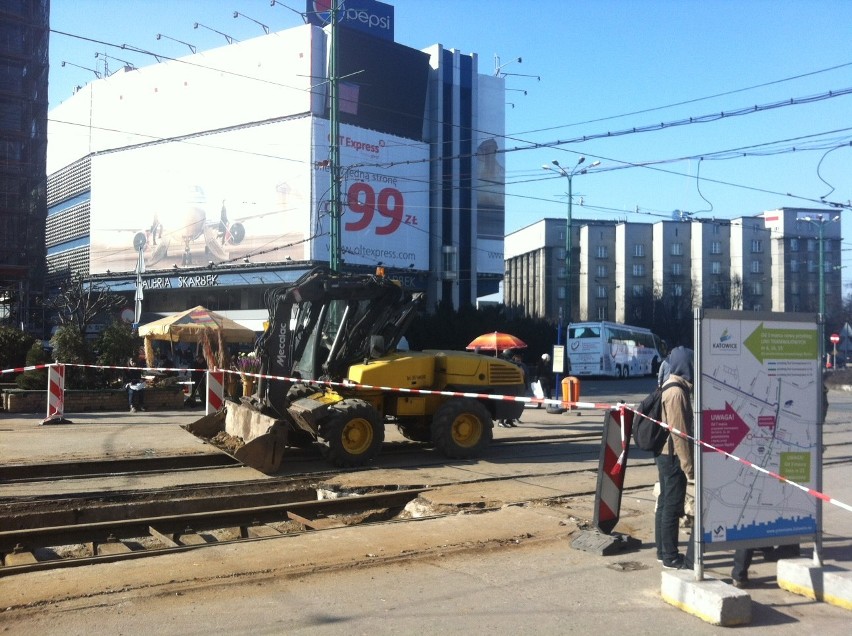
x,y
357,436
467,430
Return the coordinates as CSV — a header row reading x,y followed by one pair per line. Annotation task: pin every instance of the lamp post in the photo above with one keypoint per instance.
x,y
819,222
568,174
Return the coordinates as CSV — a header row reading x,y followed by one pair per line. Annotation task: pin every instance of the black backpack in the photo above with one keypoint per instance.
x,y
647,434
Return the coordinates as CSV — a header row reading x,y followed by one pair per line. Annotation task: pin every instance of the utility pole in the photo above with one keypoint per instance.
x,y
334,259
568,174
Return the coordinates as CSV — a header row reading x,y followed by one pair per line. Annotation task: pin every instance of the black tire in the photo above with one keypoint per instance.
x,y
462,428
353,432
299,391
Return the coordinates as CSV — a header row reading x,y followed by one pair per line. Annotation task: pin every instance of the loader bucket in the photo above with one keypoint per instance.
x,y
208,426
264,438
263,453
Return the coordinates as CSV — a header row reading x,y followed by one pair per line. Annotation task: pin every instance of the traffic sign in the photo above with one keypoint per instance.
x,y
835,338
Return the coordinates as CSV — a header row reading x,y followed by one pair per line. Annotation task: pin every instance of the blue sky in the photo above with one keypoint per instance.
x,y
605,66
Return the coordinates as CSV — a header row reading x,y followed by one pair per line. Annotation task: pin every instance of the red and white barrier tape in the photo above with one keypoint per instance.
x,y
810,491
22,369
507,398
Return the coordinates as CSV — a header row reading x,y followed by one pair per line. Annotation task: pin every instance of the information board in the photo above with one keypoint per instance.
x,y
760,391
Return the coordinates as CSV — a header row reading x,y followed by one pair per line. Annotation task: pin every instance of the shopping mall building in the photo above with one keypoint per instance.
x,y
215,168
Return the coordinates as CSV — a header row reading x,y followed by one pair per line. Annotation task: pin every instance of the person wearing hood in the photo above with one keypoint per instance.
x,y
675,464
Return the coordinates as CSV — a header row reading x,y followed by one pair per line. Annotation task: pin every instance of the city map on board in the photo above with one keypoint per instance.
x,y
759,401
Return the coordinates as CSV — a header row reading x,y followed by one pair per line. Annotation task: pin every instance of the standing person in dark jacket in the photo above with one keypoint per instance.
x,y
674,464
544,375
199,380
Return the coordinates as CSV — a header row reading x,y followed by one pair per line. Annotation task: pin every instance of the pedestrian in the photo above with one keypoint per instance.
x,y
674,464
663,372
514,357
135,386
544,376
199,379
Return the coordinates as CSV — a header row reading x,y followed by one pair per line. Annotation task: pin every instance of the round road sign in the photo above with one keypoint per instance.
x,y
834,338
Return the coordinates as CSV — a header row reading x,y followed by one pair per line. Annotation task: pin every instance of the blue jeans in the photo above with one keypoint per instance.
x,y
669,506
136,397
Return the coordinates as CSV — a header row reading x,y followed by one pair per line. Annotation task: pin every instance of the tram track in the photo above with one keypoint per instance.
x,y
40,533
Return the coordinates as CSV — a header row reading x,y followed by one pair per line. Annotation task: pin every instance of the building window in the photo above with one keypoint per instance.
x,y
638,291
677,269
560,273
716,229
716,267
794,245
560,292
827,267
602,271
603,314
560,254
716,247
757,307
794,266
756,246
794,287
811,245
812,287
812,266
677,249
639,250
602,251
716,288
601,291
757,288
755,267
639,269
450,257
677,290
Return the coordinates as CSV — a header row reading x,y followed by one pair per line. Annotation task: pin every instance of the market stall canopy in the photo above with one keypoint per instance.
x,y
189,325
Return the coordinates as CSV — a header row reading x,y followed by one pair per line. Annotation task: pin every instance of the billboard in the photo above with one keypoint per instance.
x,y
385,191
220,197
369,16
383,85
491,176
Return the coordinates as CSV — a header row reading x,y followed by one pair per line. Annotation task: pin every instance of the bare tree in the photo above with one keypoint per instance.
x,y
80,303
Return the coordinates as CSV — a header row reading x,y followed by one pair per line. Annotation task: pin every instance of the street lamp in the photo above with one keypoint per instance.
x,y
819,222
568,174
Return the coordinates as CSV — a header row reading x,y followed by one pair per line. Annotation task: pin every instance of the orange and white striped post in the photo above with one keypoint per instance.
x,y
215,391
55,394
612,467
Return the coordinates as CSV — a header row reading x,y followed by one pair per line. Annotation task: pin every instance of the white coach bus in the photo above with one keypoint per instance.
x,y
612,349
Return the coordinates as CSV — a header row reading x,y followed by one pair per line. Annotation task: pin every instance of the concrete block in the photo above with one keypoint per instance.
x,y
711,600
826,583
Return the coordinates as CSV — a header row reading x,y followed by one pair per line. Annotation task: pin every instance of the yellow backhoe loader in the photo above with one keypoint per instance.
x,y
344,329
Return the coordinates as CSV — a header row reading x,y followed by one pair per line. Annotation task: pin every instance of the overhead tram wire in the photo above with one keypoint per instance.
x,y
690,101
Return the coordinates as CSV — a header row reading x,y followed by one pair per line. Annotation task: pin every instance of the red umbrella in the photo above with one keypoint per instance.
x,y
496,341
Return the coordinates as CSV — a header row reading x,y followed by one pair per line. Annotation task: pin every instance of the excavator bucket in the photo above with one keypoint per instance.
x,y
208,426
263,453
264,437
